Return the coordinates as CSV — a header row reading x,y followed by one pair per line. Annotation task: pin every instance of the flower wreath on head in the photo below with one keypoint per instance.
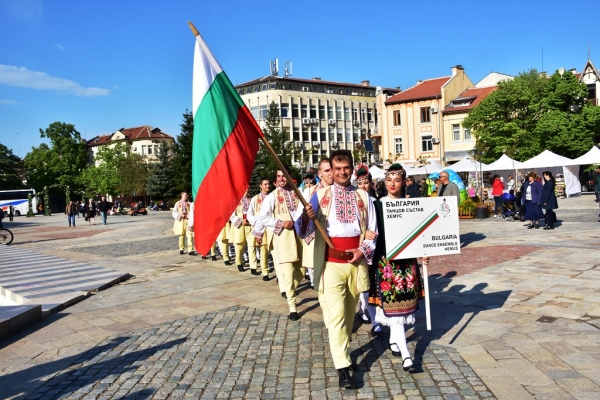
x,y
396,169
363,170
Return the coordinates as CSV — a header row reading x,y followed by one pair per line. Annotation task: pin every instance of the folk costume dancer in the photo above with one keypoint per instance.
x,y
242,235
311,188
347,213
366,311
223,241
397,287
258,230
181,213
277,214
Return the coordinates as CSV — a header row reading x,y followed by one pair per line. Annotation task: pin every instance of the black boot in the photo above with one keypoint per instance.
x,y
254,272
214,258
227,262
294,316
266,278
345,379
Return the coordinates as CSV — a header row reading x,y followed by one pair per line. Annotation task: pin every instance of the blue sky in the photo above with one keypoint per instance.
x,y
106,65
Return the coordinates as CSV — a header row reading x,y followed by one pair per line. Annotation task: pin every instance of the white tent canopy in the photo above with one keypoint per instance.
x,y
426,169
548,160
591,157
504,163
467,164
376,172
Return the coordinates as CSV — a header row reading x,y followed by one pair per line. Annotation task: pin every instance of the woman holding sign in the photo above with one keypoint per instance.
x,y
397,287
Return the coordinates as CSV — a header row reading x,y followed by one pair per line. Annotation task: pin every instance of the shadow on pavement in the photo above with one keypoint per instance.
x,y
81,372
32,328
448,309
471,237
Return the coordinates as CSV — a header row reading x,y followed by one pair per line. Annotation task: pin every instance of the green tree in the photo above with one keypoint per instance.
x,y
9,169
182,159
265,165
161,182
134,172
60,163
104,176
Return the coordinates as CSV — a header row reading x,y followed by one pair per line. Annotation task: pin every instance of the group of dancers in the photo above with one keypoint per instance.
x,y
355,270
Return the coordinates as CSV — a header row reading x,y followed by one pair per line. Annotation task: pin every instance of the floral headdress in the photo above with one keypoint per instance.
x,y
362,172
395,169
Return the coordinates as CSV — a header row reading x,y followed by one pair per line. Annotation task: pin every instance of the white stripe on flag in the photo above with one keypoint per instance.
x,y
206,68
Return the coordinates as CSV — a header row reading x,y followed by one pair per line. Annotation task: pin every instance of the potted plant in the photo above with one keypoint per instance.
x,y
481,210
467,208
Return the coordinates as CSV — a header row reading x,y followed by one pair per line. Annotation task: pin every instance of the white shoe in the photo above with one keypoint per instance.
x,y
495,216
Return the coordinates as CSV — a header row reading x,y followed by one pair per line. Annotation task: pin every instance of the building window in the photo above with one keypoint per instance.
x,y
255,89
314,134
340,135
398,145
264,87
313,111
347,113
295,110
455,132
426,143
143,150
338,113
397,120
296,134
304,112
247,90
322,114
156,149
370,114
273,85
363,114
254,111
467,134
355,114
315,158
591,91
285,110
263,111
323,135
330,114
304,134
425,114
355,136
348,135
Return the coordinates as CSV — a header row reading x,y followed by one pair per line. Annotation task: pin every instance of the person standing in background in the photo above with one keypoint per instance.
x,y
497,191
11,212
71,212
549,201
103,207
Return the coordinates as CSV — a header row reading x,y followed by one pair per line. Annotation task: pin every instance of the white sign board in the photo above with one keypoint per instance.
x,y
420,227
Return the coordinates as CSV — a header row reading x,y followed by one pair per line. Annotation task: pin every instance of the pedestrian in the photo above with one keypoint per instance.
x,y
447,188
397,286
596,177
181,212
424,188
91,213
276,214
11,212
412,190
497,191
549,201
532,199
342,272
71,212
103,207
472,193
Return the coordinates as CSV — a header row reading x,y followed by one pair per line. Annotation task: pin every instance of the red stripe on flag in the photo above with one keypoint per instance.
x,y
226,181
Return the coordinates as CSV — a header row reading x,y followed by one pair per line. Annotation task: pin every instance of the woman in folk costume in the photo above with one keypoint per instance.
x,y
181,212
397,286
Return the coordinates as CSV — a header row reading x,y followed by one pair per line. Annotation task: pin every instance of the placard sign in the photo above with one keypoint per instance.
x,y
420,227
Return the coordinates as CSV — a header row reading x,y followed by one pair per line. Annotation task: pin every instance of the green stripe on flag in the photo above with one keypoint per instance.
x,y
214,121
412,236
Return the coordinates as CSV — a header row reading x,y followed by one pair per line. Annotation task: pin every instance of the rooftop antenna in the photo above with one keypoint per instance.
x,y
288,69
274,67
588,50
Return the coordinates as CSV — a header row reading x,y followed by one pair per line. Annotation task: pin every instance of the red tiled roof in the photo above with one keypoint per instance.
x,y
136,133
427,89
478,93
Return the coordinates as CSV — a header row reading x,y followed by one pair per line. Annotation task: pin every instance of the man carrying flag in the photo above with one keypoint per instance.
x,y
224,149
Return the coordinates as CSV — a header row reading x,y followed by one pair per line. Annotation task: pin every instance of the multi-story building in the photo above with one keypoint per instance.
x,y
317,115
411,121
457,139
143,140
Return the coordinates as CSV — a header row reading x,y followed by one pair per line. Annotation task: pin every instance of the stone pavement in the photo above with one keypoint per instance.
x,y
516,315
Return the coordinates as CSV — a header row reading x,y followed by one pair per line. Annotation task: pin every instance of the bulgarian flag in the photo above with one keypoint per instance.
x,y
225,145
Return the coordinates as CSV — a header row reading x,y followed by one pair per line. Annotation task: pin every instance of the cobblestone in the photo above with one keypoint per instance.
x,y
217,356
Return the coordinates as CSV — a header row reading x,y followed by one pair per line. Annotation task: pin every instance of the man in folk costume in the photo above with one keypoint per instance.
x,y
181,212
258,230
242,235
223,241
341,273
277,214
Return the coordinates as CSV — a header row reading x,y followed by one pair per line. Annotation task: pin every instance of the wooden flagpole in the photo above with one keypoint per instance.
x,y
289,179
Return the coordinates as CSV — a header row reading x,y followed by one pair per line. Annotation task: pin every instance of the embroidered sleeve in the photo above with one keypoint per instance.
x,y
278,227
367,252
257,234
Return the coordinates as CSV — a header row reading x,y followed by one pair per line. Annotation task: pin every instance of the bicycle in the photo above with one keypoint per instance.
x,y
6,236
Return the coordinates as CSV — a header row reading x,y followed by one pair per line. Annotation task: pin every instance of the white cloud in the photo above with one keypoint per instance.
x,y
22,77
8,102
60,47
27,10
